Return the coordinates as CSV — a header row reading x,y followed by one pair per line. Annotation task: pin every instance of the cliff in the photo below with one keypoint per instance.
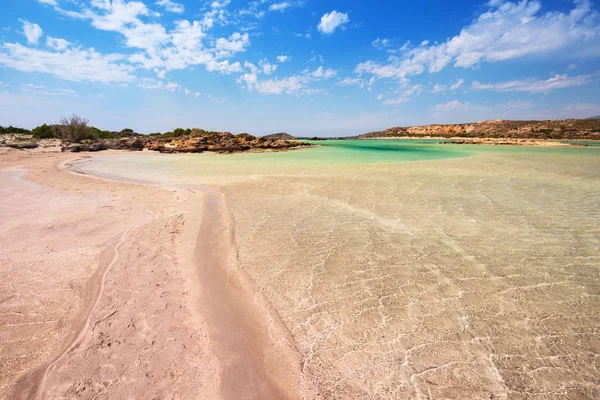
x,y
588,129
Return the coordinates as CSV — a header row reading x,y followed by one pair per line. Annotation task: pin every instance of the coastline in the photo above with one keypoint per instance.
x,y
149,301
489,141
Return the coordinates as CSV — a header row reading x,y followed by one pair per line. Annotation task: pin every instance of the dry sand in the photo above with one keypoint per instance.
x,y
101,295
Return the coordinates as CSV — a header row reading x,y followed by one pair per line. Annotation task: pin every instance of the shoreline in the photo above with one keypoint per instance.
x,y
492,141
248,351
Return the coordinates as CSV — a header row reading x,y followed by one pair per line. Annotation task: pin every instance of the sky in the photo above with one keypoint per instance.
x,y
306,67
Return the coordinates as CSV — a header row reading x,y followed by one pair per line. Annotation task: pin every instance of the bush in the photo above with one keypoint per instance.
x,y
43,132
13,129
74,129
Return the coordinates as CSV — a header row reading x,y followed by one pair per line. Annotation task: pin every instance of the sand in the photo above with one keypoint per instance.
x,y
467,277
101,295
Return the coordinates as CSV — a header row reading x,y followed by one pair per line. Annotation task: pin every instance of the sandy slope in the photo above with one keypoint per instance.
x,y
101,296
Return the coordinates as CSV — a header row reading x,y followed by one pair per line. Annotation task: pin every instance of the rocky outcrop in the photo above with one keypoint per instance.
x,y
558,129
131,143
219,142
280,136
77,147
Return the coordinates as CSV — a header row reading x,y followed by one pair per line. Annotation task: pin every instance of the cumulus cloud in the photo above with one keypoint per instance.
x,y
283,59
279,6
235,43
171,6
534,85
290,85
506,31
32,32
154,46
331,21
70,64
57,43
405,95
267,67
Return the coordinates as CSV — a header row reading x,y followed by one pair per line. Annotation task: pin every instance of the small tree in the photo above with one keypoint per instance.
x,y
43,132
74,129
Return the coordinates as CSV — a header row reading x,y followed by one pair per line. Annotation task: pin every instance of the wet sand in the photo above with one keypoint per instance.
x,y
101,294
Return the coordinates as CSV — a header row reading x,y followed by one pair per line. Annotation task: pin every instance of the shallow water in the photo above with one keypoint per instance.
x,y
407,269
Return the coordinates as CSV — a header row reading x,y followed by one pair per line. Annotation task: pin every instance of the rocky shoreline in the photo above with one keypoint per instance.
x,y
218,142
571,129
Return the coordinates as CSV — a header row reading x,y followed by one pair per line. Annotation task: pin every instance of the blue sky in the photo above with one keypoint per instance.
x,y
307,67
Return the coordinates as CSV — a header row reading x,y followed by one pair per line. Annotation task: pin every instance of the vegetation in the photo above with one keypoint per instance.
x,y
13,129
74,129
43,132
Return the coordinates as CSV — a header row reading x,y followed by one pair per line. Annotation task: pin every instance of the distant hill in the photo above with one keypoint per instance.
x,y
596,117
556,129
280,136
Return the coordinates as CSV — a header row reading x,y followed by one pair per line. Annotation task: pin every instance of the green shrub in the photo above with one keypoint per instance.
x,y
74,129
43,132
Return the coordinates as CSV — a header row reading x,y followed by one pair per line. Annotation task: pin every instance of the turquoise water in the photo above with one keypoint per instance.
x,y
329,155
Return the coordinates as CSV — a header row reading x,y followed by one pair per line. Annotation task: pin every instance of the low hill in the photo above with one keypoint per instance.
x,y
596,117
280,136
588,129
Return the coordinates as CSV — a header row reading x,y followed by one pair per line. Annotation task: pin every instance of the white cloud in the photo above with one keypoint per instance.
x,y
283,59
235,43
32,32
457,85
302,35
534,85
197,94
506,31
220,4
518,104
70,64
57,43
223,67
405,95
267,67
49,2
454,105
40,90
161,49
147,83
171,6
437,88
331,21
350,81
381,44
324,73
290,85
279,6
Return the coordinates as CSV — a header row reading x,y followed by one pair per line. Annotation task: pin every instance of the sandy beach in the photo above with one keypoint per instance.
x,y
102,296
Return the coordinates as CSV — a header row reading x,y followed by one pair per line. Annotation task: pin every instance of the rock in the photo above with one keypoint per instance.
x,y
22,145
136,143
